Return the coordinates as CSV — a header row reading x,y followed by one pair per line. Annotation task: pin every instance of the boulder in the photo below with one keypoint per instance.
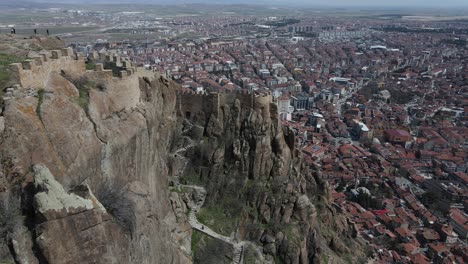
x,y
96,237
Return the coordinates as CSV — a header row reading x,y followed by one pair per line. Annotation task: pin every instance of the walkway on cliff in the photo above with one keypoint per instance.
x,y
238,246
198,202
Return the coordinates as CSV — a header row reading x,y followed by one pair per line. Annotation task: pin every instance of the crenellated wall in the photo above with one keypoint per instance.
x,y
119,134
34,72
192,103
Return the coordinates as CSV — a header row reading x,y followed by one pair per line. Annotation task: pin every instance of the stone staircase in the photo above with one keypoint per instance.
x,y
198,202
238,253
238,246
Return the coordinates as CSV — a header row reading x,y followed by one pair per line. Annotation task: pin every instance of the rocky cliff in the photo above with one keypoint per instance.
x,y
90,129
91,162
259,189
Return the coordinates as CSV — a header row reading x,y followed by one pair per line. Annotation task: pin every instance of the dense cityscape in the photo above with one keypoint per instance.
x,y
376,104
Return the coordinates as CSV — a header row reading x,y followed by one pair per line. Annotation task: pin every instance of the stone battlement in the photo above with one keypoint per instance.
x,y
111,58
122,66
34,72
191,92
192,103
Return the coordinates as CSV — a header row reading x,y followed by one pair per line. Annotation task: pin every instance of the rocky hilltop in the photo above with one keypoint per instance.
x,y
105,141
94,164
258,188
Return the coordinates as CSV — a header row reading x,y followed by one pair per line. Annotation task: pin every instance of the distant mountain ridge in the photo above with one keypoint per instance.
x,y
19,4
154,2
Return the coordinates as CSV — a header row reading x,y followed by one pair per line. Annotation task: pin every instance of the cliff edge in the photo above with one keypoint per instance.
x,y
94,163
88,128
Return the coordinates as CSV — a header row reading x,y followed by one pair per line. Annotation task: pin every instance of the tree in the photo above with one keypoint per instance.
x,y
366,200
431,197
341,186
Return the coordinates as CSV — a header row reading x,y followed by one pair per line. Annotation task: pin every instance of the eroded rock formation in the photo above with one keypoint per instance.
x,y
95,129
95,236
90,157
243,159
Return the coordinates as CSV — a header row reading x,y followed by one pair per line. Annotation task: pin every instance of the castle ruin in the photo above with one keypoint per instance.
x,y
34,74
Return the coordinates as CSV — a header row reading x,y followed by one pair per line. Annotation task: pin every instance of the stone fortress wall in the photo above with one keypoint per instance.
x,y
192,103
34,73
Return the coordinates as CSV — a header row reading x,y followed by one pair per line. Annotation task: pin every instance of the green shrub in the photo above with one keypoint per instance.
x,y
84,86
289,232
192,178
348,258
6,261
196,238
90,65
324,259
249,255
5,61
221,216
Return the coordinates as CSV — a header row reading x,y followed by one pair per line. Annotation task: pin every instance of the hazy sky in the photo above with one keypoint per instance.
x,y
422,3
347,3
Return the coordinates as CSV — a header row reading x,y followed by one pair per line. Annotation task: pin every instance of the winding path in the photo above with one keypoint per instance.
x,y
193,221
238,246
196,204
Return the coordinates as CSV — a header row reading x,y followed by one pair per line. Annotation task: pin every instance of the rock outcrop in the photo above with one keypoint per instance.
x,y
93,156
255,178
112,134
95,238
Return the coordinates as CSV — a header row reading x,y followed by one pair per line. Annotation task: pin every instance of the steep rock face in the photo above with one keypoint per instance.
x,y
249,170
111,134
96,238
116,136
213,251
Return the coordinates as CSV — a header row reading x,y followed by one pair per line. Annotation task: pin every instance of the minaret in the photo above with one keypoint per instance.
x,y
356,181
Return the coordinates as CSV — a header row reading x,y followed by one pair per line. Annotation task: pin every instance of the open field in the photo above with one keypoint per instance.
x,y
435,18
52,30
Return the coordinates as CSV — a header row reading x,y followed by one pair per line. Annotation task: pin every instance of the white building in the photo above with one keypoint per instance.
x,y
284,107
